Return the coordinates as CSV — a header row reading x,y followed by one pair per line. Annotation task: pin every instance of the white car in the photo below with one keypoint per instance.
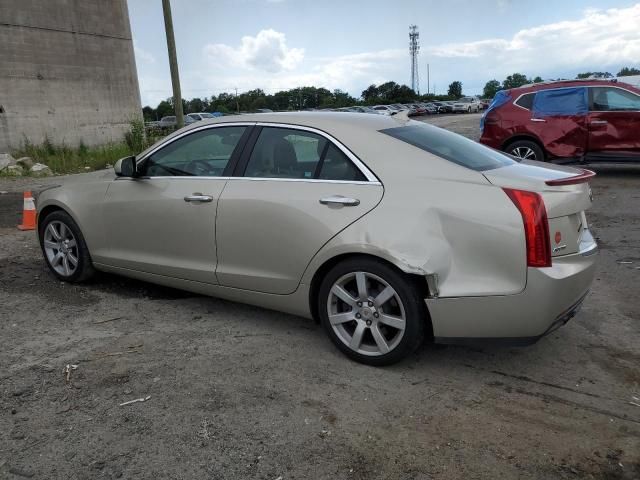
x,y
385,110
467,105
200,116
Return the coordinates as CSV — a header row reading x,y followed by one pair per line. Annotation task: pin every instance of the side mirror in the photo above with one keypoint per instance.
x,y
126,167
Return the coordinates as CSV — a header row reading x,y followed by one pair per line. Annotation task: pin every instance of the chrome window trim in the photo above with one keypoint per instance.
x,y
369,175
255,179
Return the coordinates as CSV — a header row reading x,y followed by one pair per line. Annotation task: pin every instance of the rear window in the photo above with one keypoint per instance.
x,y
450,146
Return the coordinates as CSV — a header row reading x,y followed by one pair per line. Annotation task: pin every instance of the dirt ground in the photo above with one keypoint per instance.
x,y
237,392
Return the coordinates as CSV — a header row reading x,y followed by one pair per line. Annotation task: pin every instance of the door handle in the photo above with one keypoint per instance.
x,y
340,200
198,197
539,120
598,122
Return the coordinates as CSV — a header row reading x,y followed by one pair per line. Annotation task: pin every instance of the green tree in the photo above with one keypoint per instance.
x,y
491,88
627,71
455,89
371,94
148,113
538,79
514,81
584,75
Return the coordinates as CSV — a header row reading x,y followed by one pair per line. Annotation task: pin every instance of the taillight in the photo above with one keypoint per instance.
x,y
536,226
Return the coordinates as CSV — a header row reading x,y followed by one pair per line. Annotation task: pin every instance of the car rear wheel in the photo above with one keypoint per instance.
x,y
64,248
371,312
526,150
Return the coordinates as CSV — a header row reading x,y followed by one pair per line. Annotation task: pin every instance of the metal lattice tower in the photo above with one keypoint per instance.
x,y
414,48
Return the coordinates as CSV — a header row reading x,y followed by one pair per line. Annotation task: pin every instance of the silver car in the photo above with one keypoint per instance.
x,y
386,230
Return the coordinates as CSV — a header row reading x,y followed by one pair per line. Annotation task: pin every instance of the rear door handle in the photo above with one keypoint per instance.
x,y
340,200
598,122
539,120
198,197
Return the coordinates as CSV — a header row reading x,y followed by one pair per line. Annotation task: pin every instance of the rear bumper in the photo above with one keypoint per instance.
x,y
551,297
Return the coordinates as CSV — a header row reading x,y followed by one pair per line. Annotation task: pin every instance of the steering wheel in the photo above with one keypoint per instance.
x,y
200,168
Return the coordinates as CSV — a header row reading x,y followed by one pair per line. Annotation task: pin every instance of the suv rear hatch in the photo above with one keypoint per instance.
x,y
566,195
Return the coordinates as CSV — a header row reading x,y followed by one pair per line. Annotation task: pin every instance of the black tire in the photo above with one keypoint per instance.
x,y
415,312
518,148
84,268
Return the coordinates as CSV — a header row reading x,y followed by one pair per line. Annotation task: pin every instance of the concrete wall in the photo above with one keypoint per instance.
x,y
67,71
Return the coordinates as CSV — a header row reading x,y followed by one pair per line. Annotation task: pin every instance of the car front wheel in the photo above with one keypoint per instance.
x,y
64,248
371,312
526,150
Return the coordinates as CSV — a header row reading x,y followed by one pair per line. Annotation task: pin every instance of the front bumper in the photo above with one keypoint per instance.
x,y
551,297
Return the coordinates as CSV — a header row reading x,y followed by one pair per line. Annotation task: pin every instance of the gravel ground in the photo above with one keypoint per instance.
x,y
238,392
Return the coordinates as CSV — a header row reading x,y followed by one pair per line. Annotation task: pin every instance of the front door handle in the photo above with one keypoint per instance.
x,y
198,197
541,120
340,200
598,122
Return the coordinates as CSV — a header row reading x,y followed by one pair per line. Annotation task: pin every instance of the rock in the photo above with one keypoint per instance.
x,y
5,160
25,162
40,170
14,171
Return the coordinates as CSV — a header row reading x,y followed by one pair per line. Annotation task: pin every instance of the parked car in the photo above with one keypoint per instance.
x,y
199,116
467,105
385,110
588,121
418,108
494,250
444,107
363,109
430,108
169,122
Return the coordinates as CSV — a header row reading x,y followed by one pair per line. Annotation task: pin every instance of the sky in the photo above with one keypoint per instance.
x,y
350,44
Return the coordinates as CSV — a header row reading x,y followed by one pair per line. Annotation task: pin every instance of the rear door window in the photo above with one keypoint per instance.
x,y
450,146
292,153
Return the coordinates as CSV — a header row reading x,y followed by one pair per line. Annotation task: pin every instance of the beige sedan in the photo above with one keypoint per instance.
x,y
387,231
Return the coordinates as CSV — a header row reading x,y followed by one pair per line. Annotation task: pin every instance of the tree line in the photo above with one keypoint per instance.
x,y
316,98
295,99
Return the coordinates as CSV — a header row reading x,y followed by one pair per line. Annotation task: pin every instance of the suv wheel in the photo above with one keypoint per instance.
x,y
526,150
371,312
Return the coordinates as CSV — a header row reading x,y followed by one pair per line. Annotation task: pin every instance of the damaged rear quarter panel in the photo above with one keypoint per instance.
x,y
466,232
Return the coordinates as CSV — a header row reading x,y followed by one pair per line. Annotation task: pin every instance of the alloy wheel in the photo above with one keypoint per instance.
x,y
61,248
524,153
366,313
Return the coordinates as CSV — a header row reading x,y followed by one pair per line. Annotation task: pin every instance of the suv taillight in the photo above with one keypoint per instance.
x,y
536,226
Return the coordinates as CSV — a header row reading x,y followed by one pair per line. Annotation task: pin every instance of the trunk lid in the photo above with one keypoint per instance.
x,y
566,195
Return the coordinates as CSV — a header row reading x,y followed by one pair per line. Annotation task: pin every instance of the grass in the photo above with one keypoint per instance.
x,y
63,159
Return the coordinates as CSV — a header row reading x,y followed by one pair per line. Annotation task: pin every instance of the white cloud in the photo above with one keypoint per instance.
x,y
599,38
267,51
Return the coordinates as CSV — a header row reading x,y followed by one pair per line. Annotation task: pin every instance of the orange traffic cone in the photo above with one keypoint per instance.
x,y
28,212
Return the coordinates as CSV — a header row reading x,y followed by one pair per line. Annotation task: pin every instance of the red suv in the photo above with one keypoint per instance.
x,y
566,121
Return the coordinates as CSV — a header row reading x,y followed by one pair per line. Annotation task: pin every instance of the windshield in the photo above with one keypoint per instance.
x,y
206,115
450,146
465,100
